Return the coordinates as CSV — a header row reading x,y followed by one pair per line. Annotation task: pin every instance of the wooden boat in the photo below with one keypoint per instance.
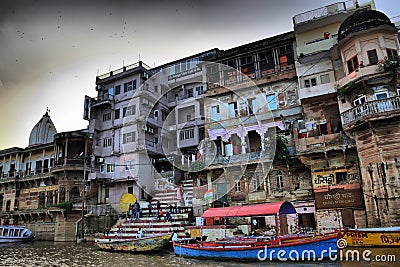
x,y
145,244
372,237
292,249
15,233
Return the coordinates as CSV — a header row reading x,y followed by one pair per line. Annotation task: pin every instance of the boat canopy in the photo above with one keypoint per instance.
x,y
264,209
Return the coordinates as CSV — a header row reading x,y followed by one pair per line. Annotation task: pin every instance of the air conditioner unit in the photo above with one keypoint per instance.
x,y
100,160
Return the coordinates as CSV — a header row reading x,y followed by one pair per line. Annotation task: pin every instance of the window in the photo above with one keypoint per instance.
x,y
255,184
271,101
252,105
155,140
129,86
116,113
215,115
237,184
372,57
310,82
325,78
391,53
102,166
130,189
190,92
117,89
149,130
110,167
233,109
186,134
199,90
247,64
129,137
381,95
266,60
279,179
107,142
130,110
156,114
352,64
360,100
107,116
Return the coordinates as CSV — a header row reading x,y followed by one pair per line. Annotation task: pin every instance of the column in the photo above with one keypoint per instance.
x,y
65,152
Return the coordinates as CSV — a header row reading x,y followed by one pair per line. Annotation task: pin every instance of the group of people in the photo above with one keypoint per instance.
x,y
134,211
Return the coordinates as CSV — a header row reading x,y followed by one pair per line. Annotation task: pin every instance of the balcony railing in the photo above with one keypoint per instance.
x,y
319,13
371,108
104,99
241,157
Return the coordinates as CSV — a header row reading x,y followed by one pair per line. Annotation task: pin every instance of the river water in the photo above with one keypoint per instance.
x,y
41,253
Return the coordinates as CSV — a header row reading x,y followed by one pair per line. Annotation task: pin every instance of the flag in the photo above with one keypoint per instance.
x,y
209,195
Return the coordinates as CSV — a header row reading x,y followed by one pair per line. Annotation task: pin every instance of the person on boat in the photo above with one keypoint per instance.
x,y
174,236
139,233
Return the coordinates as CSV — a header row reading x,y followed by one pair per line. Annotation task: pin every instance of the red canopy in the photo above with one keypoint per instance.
x,y
251,210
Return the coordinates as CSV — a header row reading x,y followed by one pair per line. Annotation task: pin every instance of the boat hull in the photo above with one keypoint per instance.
x,y
375,237
302,250
15,234
147,244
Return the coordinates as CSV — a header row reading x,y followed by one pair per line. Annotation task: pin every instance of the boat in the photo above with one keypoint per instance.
x,y
152,243
372,237
15,233
282,249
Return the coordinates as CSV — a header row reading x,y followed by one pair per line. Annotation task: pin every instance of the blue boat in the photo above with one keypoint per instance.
x,y
281,249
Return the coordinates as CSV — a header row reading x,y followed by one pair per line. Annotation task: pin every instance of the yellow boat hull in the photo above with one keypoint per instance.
x,y
365,238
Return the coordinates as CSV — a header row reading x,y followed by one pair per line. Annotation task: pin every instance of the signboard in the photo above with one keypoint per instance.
x,y
338,198
329,178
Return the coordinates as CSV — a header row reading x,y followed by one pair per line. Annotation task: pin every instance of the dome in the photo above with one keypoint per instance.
x,y
362,19
43,132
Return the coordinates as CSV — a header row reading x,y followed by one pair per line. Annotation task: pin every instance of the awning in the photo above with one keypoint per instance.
x,y
251,210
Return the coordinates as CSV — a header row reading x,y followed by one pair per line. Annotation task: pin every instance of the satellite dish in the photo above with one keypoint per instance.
x,y
125,201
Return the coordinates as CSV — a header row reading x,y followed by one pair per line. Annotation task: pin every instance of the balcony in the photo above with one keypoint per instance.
x,y
319,13
322,143
240,159
320,89
372,110
70,165
101,100
316,45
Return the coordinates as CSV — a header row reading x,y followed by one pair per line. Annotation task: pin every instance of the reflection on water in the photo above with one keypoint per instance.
x,y
71,254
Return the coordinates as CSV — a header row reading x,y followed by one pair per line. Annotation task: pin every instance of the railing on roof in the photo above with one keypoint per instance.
x,y
125,68
321,12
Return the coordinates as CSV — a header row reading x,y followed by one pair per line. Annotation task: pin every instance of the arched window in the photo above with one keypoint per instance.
x,y
42,200
49,198
62,195
75,194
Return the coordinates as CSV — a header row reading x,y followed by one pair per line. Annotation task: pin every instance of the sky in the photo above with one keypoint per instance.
x,y
52,51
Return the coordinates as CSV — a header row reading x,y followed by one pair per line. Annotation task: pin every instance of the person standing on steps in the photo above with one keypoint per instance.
x,y
158,208
150,208
137,211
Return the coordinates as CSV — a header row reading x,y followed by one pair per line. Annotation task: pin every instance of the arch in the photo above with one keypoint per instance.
x,y
75,195
61,195
42,200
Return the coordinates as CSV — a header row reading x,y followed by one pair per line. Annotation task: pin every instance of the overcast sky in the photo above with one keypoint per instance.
x,y
51,51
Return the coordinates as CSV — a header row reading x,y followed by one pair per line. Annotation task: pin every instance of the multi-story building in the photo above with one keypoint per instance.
x,y
125,143
320,141
47,174
250,102
368,91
